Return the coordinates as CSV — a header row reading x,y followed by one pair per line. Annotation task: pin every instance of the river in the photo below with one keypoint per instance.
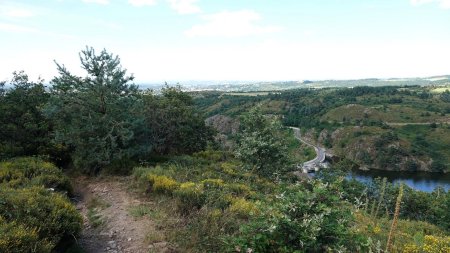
x,y
423,181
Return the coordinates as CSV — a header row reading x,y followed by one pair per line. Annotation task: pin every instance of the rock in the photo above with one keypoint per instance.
x,y
223,124
129,239
112,244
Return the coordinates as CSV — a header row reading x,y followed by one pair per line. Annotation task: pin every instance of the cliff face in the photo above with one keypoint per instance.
x,y
225,127
223,124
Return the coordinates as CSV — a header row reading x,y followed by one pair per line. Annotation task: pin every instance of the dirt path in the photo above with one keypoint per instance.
x,y
109,225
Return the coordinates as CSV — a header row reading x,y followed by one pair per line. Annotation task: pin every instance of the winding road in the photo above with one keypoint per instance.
x,y
320,152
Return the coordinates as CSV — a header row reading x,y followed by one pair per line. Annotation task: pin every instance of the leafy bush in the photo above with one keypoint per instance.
x,y
243,208
23,129
224,211
162,184
19,238
50,214
30,171
34,218
301,218
190,196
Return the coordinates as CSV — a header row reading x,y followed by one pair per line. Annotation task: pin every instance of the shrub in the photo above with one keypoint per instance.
x,y
190,196
213,183
18,238
243,208
302,218
431,244
162,184
31,171
240,189
209,155
228,168
50,214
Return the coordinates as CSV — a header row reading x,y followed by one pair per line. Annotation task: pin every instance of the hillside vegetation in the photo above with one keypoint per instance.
x,y
386,128
225,186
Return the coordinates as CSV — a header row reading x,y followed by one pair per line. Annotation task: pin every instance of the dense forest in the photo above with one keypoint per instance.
x,y
212,198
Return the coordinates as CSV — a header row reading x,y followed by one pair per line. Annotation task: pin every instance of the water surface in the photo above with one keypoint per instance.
x,y
423,181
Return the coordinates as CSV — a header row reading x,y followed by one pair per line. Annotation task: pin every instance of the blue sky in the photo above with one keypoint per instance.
x,y
181,40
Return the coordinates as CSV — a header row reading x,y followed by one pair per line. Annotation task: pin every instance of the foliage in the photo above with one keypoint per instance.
x,y
23,129
431,244
338,113
416,205
34,218
162,183
191,197
445,96
211,195
175,126
30,171
51,214
407,232
17,238
98,115
225,207
303,217
244,208
260,145
394,219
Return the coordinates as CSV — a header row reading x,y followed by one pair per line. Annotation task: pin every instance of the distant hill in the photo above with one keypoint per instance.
x,y
246,86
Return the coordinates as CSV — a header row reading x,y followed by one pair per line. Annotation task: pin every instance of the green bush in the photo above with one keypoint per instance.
x,y
308,217
190,196
51,214
162,184
19,238
31,171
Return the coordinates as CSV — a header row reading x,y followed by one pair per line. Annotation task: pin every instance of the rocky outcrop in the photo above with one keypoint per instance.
x,y
223,124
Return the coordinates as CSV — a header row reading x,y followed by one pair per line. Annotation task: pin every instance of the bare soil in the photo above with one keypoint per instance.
x,y
110,200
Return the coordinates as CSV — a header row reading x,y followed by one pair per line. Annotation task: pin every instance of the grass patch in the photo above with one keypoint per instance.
x,y
95,219
96,202
145,210
95,205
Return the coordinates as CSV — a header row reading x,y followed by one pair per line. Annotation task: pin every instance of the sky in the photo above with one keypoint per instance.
x,y
240,40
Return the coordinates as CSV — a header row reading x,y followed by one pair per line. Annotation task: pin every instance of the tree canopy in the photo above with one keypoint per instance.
x,y
175,126
23,129
260,143
98,115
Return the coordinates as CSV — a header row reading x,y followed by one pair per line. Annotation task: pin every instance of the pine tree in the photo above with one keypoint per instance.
x,y
99,116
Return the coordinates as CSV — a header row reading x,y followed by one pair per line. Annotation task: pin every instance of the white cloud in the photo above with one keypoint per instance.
x,y
104,2
139,3
231,24
445,4
185,6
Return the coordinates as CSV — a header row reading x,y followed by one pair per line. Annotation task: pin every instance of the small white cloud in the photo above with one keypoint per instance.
x,y
231,24
445,4
103,2
185,6
139,3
